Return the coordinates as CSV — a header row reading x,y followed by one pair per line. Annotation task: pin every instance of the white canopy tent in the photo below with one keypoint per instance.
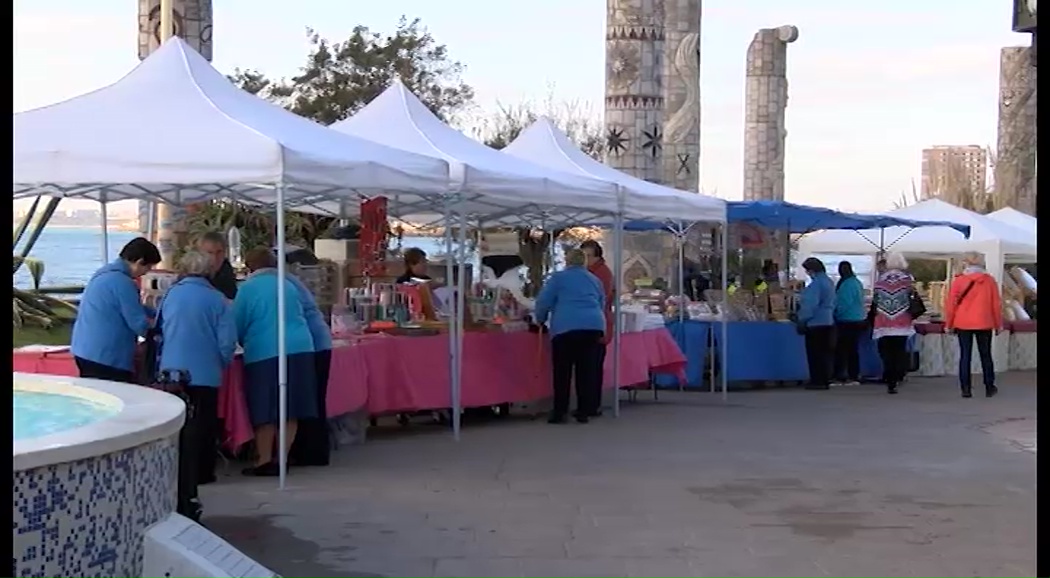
x,y
544,144
176,130
1022,221
999,242
501,189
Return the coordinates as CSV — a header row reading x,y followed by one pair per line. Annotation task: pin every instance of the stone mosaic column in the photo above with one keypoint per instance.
x,y
1015,166
634,98
634,106
681,93
192,21
765,99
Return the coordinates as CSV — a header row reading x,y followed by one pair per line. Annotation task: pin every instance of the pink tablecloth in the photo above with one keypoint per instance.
x,y
391,374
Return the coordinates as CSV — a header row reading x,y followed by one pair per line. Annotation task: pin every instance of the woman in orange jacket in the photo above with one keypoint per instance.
x,y
974,311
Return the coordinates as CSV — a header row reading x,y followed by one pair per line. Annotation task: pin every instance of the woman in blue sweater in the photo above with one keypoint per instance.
x,y
816,321
255,313
574,300
850,323
198,336
111,317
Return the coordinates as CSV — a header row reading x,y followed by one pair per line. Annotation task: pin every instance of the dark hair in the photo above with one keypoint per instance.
x,y
845,272
414,256
260,258
814,265
594,246
140,249
769,267
213,237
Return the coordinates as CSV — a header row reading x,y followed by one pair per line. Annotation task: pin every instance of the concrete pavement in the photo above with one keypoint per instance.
x,y
848,482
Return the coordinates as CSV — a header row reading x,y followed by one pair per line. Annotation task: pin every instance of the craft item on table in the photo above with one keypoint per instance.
x,y
778,306
154,285
373,234
343,322
511,282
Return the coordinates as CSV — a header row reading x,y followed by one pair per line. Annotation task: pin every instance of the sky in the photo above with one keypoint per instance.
x,y
870,83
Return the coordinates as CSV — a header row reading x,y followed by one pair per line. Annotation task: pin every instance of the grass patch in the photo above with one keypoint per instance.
x,y
59,334
31,335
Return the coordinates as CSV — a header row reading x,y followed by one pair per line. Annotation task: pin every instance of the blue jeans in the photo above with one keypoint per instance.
x,y
984,350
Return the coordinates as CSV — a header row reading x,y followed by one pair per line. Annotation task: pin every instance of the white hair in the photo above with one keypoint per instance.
x,y
575,258
973,258
195,263
896,261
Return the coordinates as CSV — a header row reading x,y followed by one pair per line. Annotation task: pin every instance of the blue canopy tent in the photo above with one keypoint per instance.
x,y
793,218
780,216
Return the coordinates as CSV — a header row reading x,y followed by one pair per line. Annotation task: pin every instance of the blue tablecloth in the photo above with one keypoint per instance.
x,y
758,351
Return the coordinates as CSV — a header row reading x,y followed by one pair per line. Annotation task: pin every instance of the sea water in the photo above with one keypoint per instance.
x,y
39,414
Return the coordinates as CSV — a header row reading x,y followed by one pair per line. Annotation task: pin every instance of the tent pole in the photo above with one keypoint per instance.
x,y
461,283
282,347
680,238
105,229
617,315
452,325
725,313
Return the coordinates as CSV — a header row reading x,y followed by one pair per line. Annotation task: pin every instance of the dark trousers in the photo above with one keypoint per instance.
x,y
576,353
204,423
819,354
893,350
312,445
92,370
984,351
847,349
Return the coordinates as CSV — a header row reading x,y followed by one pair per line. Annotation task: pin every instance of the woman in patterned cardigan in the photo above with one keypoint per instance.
x,y
891,322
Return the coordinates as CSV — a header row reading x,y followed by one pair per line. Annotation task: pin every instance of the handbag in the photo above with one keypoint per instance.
x,y
916,308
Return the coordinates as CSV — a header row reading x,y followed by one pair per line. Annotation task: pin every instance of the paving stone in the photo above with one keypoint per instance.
x,y
848,482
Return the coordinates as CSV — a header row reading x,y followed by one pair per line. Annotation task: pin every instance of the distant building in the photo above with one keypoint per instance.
x,y
950,171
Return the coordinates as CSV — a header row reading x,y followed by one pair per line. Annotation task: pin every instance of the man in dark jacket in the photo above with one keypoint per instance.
x,y
223,278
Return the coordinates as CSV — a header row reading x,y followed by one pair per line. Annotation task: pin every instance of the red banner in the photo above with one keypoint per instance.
x,y
372,243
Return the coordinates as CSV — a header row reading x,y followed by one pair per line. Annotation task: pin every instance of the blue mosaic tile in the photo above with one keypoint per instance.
x,y
87,518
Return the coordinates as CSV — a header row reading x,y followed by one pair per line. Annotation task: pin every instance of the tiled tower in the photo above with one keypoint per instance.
x,y
681,92
765,100
1015,166
192,21
634,97
652,110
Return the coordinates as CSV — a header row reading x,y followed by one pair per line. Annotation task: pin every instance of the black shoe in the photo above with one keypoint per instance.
x,y
268,470
967,393
991,391
891,389
556,419
581,418
817,387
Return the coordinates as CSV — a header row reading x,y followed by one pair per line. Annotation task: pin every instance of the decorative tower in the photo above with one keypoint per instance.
x,y
192,21
634,98
1015,166
765,100
681,93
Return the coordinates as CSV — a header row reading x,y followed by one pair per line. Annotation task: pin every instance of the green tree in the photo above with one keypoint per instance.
x,y
339,78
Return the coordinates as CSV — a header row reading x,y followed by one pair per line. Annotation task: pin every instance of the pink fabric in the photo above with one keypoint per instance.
x,y
392,374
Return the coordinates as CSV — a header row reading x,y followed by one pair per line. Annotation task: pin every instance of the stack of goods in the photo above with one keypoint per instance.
x,y
322,280
378,307
653,300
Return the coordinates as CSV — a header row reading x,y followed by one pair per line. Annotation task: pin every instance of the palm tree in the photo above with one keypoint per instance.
x,y
34,307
